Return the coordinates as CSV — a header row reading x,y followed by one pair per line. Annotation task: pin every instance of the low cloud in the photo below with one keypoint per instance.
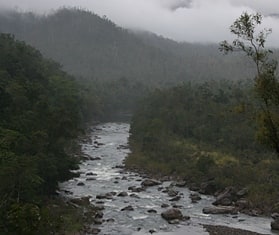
x,y
183,20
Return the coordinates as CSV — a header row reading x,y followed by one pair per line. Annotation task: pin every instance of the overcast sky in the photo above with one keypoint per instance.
x,y
182,20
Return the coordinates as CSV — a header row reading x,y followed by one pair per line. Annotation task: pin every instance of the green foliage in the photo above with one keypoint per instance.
x,y
204,132
39,114
266,83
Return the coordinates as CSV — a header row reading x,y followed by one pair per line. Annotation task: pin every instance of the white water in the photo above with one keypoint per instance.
x,y
110,179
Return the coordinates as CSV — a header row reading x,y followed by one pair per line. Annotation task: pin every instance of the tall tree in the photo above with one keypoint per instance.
x,y
252,41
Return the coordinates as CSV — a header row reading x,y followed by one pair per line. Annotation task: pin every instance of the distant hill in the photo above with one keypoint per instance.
x,y
95,48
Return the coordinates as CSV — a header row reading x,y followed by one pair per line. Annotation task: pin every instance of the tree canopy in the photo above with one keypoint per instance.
x,y
39,114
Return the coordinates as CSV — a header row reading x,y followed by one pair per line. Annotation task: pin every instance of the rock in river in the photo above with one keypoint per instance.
x,y
172,214
275,224
219,210
150,182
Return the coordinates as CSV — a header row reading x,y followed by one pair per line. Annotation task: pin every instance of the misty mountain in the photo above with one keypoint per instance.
x,y
93,47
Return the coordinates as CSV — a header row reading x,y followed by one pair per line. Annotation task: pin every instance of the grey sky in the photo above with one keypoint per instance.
x,y
182,20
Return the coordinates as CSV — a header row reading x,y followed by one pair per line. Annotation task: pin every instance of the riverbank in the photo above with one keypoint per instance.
x,y
130,207
221,230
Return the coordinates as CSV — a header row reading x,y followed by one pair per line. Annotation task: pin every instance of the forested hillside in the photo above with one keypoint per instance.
x,y
203,133
41,112
93,47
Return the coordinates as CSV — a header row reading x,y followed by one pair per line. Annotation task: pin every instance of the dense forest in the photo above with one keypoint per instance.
x,y
95,48
225,132
196,115
205,132
41,113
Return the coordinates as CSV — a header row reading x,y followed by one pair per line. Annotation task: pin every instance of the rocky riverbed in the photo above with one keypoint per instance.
x,y
128,203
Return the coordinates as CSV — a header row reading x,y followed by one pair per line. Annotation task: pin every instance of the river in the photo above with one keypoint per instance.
x,y
103,174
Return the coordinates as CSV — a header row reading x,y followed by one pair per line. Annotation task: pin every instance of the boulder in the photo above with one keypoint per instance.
x,y
174,199
136,189
99,214
225,198
95,231
105,196
172,214
90,178
90,174
242,204
80,184
152,211
172,192
83,201
181,184
134,195
127,208
195,197
122,194
164,205
219,210
275,224
208,188
150,182
95,158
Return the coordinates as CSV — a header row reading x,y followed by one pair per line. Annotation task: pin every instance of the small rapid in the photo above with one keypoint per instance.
x,y
103,173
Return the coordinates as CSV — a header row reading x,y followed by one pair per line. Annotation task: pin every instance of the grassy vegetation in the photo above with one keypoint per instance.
x,y
214,140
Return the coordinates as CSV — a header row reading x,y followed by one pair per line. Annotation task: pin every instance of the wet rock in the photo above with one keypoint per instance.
x,y
67,192
85,157
164,205
98,221
136,189
121,146
90,179
254,212
242,204
208,188
180,184
172,192
95,158
152,231
119,166
194,187
116,182
220,210
225,198
83,201
134,195
127,208
110,220
105,196
124,178
150,182
90,174
177,206
275,216
275,224
152,211
99,207
172,214
99,214
195,197
122,194
175,221
80,184
100,202
174,199
95,231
